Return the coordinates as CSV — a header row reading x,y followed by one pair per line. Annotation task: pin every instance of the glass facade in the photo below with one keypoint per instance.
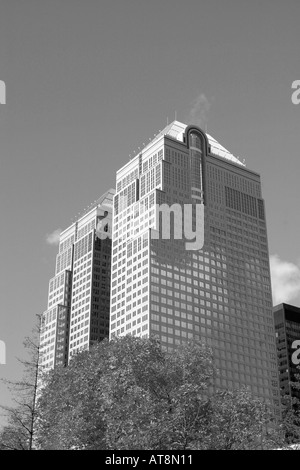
x,y
221,293
79,293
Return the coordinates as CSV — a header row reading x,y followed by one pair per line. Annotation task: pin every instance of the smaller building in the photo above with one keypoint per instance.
x,y
287,330
77,314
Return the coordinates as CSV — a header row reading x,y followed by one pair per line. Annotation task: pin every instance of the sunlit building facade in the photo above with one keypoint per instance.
x,y
220,293
79,293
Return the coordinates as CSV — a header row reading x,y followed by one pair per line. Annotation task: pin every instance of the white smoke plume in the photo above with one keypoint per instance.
x,y
53,238
198,114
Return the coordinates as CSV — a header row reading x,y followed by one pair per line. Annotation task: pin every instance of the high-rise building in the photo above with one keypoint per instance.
x,y
220,293
287,330
79,293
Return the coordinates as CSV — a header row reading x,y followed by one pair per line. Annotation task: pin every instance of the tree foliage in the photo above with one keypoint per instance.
x,y
130,394
291,413
20,430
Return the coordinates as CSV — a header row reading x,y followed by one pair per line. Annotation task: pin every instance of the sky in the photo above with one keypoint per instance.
x,y
90,81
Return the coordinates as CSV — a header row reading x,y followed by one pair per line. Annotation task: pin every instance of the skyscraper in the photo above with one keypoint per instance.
x,y
79,293
287,328
220,293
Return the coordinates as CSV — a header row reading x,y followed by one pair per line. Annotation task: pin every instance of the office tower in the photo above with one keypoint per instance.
x,y
287,330
78,301
220,293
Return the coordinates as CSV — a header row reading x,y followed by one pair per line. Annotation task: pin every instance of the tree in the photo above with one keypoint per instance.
x,y
68,406
238,421
20,431
130,394
290,423
153,400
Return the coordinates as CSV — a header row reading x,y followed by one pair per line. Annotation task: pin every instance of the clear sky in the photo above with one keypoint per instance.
x,y
90,81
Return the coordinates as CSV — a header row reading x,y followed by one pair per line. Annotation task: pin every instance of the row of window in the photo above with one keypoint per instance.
x,y
66,243
133,175
152,161
151,179
86,229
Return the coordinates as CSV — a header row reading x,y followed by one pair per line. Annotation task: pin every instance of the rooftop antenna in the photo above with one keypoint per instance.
x,y
167,121
175,115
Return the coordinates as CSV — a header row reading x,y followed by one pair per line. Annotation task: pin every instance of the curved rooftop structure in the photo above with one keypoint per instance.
x,y
176,130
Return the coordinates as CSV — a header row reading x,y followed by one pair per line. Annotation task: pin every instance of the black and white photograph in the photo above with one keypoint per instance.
x,y
150,242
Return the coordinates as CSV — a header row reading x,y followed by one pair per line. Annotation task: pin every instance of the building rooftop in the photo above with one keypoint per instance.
x,y
176,130
105,200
